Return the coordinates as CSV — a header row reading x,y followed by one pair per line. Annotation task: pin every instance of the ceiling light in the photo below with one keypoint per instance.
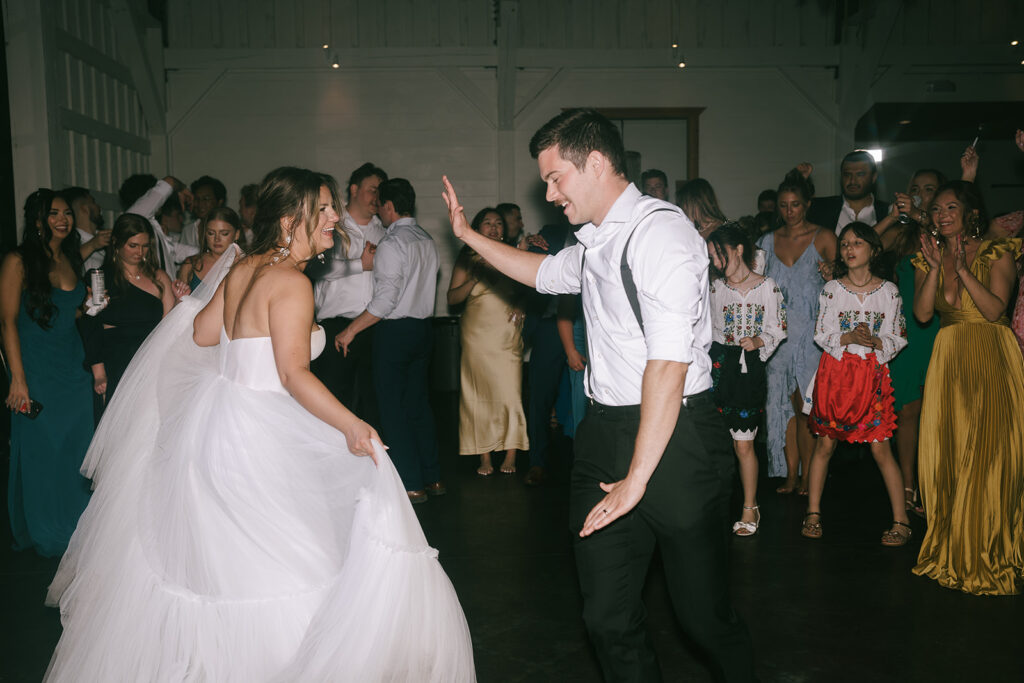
x,y
675,45
326,46
682,65
905,122
1014,43
876,154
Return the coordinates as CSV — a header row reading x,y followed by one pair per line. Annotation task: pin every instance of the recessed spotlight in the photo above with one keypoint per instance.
x,y
335,65
1015,43
905,122
682,65
326,46
675,45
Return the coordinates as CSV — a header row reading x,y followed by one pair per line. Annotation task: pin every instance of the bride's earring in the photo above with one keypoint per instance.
x,y
283,252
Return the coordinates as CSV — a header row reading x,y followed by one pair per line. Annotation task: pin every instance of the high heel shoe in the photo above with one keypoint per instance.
x,y
742,528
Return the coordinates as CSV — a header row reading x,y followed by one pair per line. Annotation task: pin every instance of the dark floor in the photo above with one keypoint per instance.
x,y
840,609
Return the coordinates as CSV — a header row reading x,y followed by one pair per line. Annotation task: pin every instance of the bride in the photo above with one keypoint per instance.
x,y
232,534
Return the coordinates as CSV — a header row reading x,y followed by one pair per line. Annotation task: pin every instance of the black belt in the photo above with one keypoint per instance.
x,y
691,401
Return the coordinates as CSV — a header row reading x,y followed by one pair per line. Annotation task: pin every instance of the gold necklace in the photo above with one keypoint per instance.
x,y
740,282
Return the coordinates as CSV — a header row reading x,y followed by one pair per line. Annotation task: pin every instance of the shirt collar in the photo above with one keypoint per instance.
x,y
620,212
846,204
350,220
404,220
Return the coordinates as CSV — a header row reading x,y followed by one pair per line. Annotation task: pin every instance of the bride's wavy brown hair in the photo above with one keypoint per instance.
x,y
291,193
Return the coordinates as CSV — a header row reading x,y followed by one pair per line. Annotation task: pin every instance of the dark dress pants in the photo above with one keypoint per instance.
x,y
349,378
543,375
401,360
685,512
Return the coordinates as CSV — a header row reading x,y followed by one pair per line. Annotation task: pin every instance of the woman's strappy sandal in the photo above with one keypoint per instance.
x,y
742,528
897,535
809,528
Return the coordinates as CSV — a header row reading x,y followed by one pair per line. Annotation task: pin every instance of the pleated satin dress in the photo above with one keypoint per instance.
x,y
491,414
971,453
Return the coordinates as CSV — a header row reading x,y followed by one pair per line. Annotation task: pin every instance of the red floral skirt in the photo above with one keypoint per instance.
x,y
852,399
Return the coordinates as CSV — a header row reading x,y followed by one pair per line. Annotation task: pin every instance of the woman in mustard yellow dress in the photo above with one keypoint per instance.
x,y
971,453
491,414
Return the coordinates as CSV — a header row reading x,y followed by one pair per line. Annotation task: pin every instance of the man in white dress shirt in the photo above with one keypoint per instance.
x,y
89,224
653,462
169,252
858,173
405,269
342,288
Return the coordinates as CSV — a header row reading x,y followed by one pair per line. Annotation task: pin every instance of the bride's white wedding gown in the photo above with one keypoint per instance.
x,y
232,536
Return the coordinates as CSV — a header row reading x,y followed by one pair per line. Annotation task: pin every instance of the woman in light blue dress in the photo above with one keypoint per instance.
x,y
797,255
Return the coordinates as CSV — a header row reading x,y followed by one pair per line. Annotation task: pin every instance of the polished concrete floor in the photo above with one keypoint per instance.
x,y
840,609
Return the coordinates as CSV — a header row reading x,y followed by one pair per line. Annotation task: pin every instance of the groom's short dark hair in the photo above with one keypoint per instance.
x,y
577,133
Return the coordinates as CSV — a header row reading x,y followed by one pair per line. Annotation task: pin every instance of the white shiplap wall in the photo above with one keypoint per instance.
x,y
76,114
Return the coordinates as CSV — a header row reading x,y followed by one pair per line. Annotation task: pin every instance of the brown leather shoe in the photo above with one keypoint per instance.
x,y
535,477
417,497
436,489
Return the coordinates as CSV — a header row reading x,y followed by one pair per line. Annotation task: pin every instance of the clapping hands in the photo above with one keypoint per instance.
x,y
930,251
860,335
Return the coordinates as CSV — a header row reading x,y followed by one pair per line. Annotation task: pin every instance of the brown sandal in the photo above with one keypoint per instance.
x,y
811,529
896,537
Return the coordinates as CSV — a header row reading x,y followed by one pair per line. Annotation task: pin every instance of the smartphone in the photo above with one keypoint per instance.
x,y
34,408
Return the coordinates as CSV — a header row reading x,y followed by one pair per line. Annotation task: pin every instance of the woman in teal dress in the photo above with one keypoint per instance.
x,y
40,292
907,369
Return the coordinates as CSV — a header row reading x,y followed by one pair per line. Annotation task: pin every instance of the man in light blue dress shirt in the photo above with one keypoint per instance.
x,y
405,268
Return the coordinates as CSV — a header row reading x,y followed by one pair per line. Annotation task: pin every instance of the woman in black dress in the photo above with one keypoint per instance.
x,y
140,295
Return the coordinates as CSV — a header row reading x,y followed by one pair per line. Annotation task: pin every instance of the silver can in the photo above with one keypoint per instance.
x,y
99,286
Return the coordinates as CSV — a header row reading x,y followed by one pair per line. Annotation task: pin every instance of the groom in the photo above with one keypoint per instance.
x,y
653,461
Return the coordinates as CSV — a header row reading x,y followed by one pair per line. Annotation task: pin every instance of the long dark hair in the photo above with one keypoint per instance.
x,y
731,235
127,226
868,234
37,257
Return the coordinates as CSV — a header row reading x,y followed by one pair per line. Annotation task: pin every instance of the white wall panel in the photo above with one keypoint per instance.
x,y
414,124
411,123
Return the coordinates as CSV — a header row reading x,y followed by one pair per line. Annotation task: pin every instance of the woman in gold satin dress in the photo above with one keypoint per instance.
x,y
971,453
491,414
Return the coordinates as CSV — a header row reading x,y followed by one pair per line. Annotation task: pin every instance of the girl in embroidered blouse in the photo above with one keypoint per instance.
x,y
861,328
748,321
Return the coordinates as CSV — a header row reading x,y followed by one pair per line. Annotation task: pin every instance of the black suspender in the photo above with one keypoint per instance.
x,y
628,283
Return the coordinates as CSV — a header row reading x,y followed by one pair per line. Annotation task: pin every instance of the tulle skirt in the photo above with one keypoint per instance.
x,y
233,537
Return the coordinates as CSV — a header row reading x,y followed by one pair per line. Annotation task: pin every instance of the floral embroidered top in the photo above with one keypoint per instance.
x,y
840,310
758,312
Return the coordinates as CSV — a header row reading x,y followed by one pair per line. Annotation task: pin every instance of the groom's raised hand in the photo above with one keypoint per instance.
x,y
456,214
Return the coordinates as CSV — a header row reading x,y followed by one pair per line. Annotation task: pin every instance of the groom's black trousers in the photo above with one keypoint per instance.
x,y
685,512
